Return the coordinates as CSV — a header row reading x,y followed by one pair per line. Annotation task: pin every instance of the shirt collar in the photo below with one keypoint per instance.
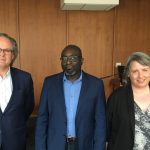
x,y
6,75
79,79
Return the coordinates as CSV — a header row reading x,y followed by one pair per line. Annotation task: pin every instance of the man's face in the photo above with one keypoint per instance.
x,y
6,54
71,62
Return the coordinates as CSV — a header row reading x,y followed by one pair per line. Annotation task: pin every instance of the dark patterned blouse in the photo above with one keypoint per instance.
x,y
142,129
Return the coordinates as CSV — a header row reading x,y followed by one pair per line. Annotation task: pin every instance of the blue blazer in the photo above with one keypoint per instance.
x,y
13,119
90,120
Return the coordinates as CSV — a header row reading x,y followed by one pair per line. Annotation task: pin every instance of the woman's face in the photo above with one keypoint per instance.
x,y
139,75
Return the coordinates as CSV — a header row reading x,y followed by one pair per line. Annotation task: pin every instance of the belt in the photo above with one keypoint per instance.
x,y
71,140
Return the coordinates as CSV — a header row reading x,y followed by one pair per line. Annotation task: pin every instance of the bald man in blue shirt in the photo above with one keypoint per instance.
x,y
71,113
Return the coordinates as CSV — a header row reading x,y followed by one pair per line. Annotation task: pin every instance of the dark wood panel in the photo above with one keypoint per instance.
x,y
42,36
132,28
107,86
9,20
106,37
93,32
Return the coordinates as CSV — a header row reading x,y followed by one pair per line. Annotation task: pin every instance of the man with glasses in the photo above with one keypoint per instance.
x,y
71,113
16,97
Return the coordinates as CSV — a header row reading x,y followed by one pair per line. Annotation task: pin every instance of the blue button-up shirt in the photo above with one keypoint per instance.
x,y
71,93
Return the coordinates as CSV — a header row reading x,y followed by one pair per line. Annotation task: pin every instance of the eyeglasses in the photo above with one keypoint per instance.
x,y
64,59
6,51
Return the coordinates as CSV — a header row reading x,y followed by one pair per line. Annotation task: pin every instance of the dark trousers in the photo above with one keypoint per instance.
x,y
70,146
70,143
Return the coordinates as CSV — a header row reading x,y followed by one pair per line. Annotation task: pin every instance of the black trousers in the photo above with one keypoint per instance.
x,y
70,146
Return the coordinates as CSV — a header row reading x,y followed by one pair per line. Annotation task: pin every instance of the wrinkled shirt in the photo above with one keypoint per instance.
x,y
71,93
6,88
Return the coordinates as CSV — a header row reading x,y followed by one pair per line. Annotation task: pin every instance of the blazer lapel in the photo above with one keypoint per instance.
x,y
61,93
131,107
0,111
83,92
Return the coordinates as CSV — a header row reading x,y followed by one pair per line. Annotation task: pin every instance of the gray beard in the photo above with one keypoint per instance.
x,y
70,74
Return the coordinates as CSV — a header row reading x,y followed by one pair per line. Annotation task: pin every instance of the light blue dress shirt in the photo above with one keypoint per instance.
x,y
71,93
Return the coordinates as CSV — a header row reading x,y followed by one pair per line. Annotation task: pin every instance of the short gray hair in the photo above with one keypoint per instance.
x,y
140,57
14,45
